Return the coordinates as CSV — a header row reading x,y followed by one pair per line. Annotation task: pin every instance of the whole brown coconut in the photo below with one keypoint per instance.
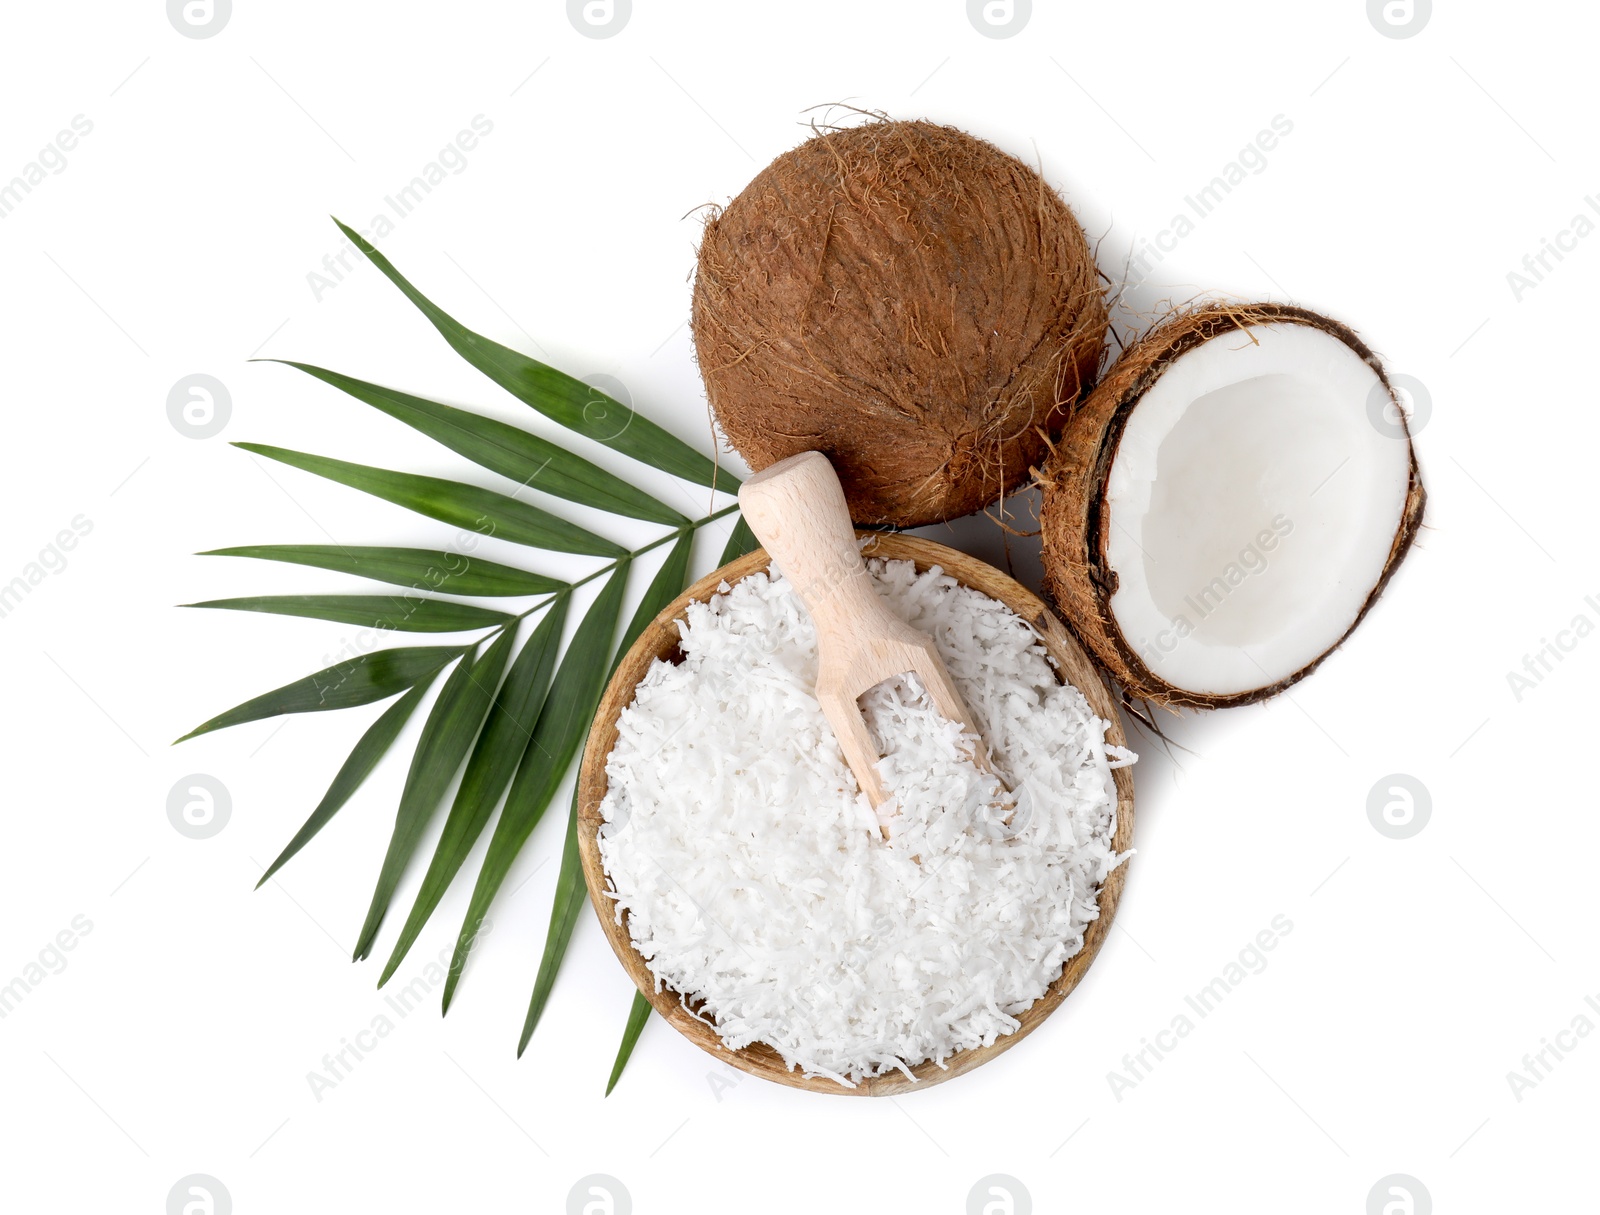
x,y
908,300
1080,487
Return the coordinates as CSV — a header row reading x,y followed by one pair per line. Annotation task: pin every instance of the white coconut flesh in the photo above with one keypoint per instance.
x,y
1252,506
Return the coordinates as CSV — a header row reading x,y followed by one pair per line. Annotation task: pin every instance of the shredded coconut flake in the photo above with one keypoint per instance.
x,y
754,875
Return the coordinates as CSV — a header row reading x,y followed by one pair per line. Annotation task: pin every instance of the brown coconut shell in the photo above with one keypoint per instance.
x,y
1073,481
907,299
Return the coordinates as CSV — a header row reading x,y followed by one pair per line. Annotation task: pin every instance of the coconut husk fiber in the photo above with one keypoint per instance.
x,y
910,301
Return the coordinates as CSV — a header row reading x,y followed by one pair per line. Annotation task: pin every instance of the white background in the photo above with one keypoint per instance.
x,y
178,239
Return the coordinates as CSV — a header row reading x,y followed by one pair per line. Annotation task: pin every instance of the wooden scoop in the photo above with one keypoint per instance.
x,y
797,510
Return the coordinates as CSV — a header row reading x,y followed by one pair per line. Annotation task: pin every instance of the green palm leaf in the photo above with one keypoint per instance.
x,y
637,1016
416,568
499,750
356,681
514,739
740,541
560,397
666,586
563,918
508,450
465,506
452,725
371,748
414,615
574,695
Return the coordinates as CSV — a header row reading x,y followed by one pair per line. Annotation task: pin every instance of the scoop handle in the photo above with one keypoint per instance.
x,y
796,508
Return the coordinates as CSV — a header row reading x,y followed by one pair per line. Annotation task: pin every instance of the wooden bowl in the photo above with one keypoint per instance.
x,y
660,640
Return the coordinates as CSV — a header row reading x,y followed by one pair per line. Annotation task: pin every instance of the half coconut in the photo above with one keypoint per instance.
x,y
1229,502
